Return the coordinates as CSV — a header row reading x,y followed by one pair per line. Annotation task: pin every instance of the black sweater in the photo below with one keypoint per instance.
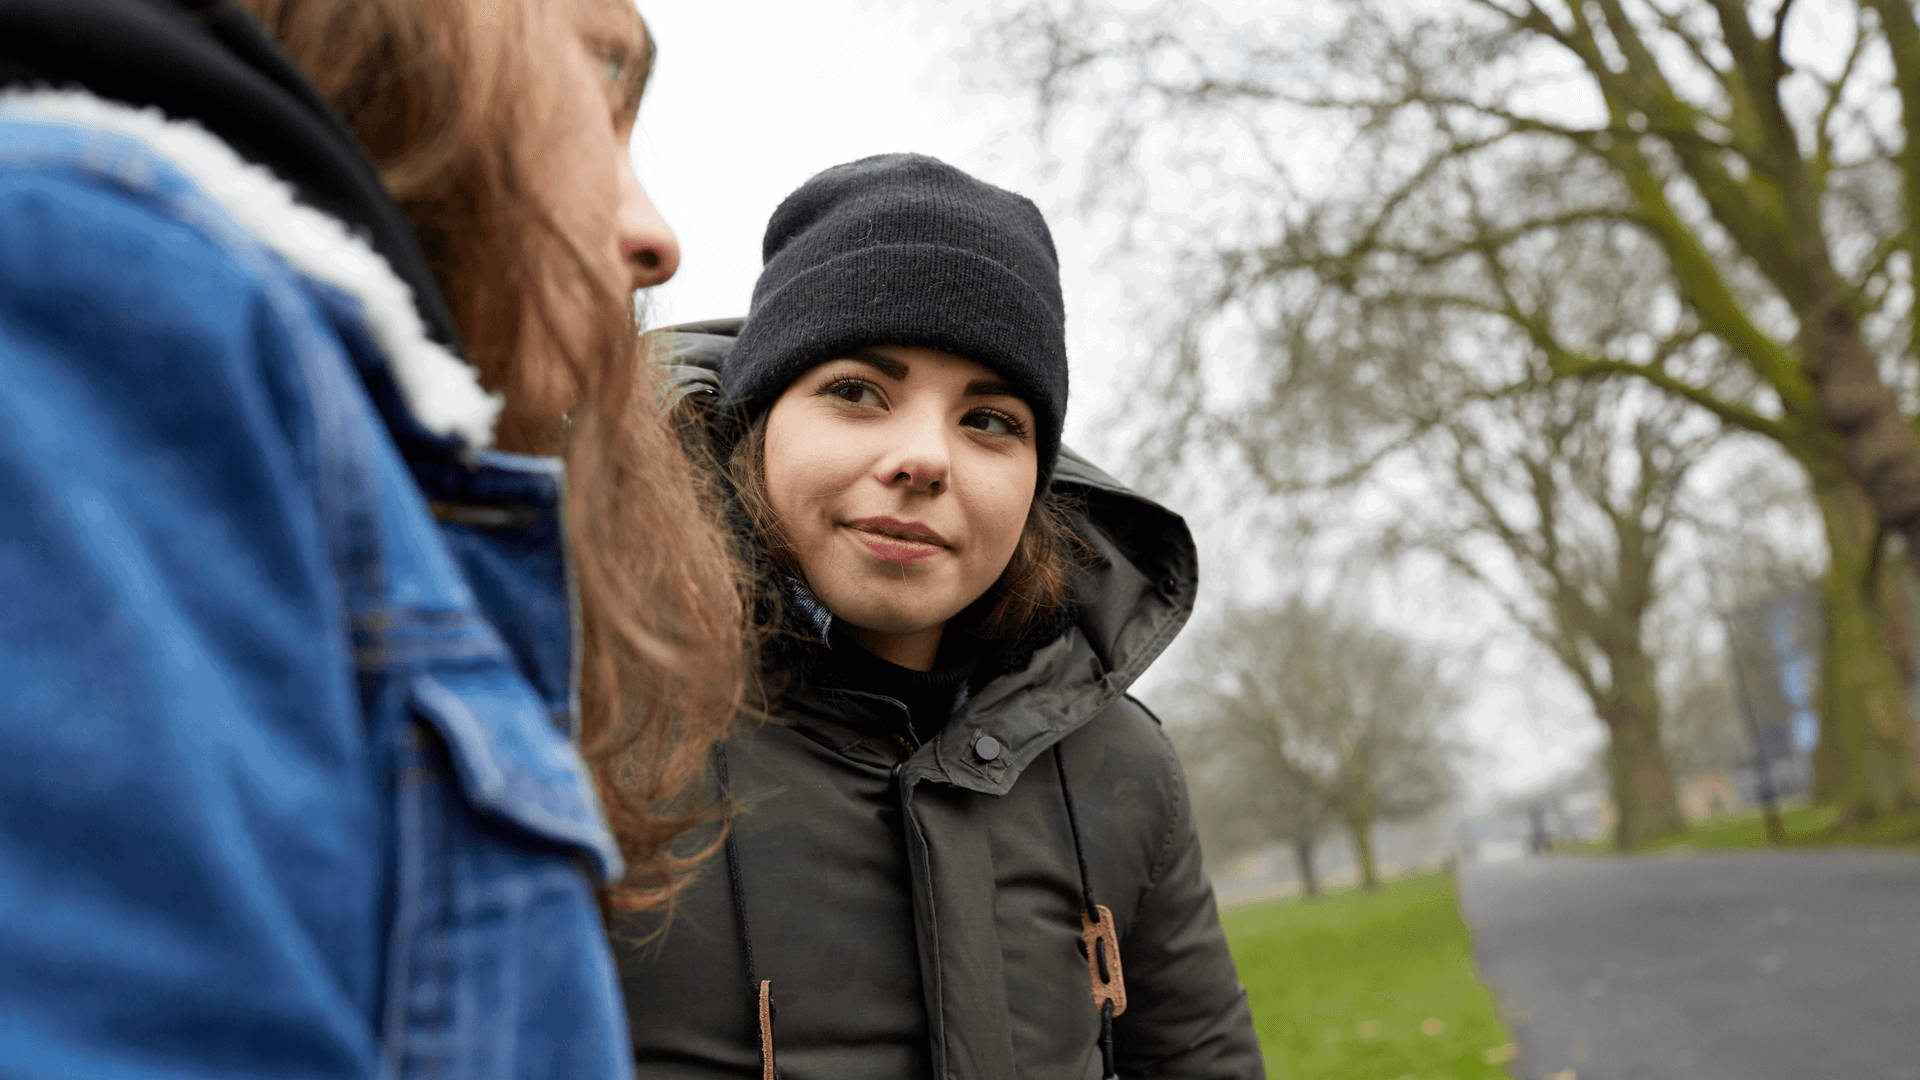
x,y
928,695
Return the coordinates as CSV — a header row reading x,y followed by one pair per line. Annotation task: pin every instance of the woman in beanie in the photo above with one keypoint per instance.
x,y
959,800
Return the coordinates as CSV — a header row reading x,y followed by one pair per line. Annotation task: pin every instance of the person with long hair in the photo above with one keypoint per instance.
x,y
960,849
365,630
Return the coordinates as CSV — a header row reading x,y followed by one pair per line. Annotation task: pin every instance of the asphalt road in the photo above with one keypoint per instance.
x,y
1799,965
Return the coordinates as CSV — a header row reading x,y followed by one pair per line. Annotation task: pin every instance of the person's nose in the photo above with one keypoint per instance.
x,y
923,461
648,249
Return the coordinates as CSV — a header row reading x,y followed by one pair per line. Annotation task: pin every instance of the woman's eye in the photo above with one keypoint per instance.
x,y
613,60
855,393
993,423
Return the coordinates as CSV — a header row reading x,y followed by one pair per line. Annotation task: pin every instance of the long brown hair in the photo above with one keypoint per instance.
x,y
446,98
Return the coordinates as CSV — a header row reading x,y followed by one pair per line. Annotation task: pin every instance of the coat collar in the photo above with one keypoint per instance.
x,y
1135,598
441,394
208,61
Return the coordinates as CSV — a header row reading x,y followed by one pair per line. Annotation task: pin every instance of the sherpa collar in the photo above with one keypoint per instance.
x,y
442,392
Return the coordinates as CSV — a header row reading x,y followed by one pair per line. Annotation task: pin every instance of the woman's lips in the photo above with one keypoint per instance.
x,y
897,541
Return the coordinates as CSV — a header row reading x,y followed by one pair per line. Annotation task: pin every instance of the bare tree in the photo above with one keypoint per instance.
x,y
1759,194
1247,791
1330,717
1570,523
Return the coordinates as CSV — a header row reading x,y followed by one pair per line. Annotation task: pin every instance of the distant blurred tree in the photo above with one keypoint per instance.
x,y
1247,791
1303,715
1580,489
1370,166
1703,731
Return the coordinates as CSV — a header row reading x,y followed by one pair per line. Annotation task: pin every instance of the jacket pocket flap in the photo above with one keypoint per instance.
x,y
510,761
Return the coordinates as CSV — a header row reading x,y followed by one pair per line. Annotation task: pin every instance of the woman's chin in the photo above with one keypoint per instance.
x,y
900,616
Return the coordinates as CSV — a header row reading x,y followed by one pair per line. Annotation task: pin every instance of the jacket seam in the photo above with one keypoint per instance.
x,y
1178,808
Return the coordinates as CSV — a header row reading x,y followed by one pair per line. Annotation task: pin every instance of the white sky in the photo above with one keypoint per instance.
x,y
751,97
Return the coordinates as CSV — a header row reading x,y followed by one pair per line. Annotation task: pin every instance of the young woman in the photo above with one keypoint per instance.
x,y
298,308
960,799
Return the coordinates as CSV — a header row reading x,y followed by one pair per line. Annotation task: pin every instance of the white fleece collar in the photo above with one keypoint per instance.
x,y
441,391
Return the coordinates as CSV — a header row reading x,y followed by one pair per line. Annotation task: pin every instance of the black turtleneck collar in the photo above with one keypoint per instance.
x,y
929,696
966,662
207,61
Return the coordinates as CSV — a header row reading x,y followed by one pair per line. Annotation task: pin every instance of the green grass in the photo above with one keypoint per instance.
x,y
1748,830
1806,826
1341,985
1901,829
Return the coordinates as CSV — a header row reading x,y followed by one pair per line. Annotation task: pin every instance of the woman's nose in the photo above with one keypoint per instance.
x,y
922,463
648,249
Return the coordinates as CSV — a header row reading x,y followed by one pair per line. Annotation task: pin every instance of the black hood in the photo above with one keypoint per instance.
x,y
207,61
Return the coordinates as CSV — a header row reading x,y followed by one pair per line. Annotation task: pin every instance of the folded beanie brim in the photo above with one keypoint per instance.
x,y
930,295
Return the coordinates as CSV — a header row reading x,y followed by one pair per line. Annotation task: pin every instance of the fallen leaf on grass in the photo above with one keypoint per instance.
x,y
1369,1028
1500,1055
1431,1026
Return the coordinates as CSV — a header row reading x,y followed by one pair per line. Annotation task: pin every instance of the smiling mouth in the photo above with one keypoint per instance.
x,y
897,541
894,529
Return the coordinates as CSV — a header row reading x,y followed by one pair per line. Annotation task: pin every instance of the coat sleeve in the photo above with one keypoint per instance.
x,y
1187,1016
188,823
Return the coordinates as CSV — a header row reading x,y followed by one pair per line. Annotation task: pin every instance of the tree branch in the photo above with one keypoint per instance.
x,y
1568,365
1822,164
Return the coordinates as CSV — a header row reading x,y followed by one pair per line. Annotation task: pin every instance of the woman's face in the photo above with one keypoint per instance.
x,y
596,60
605,59
901,478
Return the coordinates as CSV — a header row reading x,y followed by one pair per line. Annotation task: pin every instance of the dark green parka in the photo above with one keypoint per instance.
x,y
917,907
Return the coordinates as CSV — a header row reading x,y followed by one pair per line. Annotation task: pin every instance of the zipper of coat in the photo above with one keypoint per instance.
x,y
918,870
923,915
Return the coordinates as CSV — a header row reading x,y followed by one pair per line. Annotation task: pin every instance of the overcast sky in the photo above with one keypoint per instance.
x,y
751,97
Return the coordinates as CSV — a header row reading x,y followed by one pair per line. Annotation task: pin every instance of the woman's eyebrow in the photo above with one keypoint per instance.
x,y
886,365
991,388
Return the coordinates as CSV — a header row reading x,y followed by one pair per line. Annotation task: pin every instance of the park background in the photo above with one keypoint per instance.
x,y
1464,600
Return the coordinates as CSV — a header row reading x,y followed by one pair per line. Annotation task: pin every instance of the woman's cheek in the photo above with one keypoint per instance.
x,y
1007,504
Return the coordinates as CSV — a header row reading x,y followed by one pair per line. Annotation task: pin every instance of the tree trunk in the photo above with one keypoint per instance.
x,y
1643,792
1303,859
1361,826
1881,449
1864,764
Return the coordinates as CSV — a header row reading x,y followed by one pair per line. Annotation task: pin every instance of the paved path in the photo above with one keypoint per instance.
x,y
1800,965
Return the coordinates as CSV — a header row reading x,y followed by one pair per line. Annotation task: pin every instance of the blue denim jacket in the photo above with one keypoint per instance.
x,y
286,679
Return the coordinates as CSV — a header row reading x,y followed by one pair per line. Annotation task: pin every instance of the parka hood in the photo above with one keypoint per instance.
x,y
1132,600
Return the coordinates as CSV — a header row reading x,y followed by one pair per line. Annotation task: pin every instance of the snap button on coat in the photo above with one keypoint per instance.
x,y
987,747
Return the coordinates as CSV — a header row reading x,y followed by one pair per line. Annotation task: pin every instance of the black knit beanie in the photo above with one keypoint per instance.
x,y
902,249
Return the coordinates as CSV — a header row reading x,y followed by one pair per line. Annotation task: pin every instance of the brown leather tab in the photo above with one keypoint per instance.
x,y
766,1029
1101,935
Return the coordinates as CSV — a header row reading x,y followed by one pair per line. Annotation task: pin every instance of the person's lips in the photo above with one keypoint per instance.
x,y
897,541
899,530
